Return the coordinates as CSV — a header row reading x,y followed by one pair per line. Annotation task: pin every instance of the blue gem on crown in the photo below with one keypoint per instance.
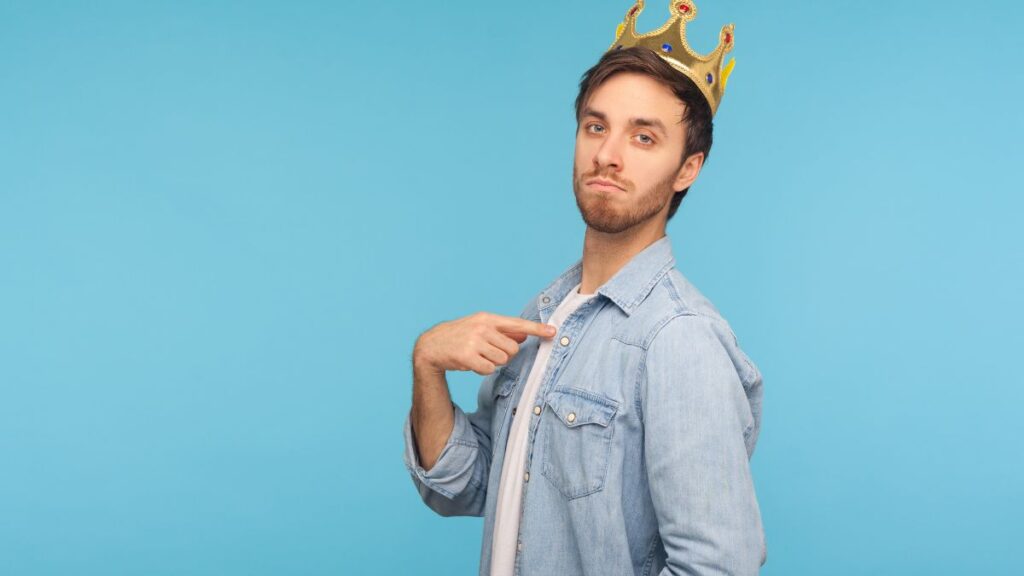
x,y
666,47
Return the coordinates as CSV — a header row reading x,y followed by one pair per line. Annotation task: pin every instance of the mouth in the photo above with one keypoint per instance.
x,y
604,185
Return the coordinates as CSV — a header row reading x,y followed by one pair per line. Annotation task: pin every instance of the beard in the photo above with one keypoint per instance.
x,y
611,213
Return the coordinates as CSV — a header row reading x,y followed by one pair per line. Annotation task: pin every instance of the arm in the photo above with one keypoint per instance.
x,y
455,446
452,475
431,417
696,422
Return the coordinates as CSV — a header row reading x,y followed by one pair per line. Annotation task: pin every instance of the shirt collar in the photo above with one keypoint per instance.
x,y
627,288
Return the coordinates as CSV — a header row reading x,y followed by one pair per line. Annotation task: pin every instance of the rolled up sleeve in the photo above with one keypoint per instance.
x,y
697,419
453,470
456,485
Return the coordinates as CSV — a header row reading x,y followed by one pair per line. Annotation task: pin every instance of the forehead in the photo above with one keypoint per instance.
x,y
627,94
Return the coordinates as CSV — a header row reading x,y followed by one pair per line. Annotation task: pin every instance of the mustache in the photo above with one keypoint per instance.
x,y
590,175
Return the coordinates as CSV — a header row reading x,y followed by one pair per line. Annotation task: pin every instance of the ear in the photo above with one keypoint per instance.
x,y
688,171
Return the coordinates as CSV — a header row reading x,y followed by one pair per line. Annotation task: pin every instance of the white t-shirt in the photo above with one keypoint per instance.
x,y
513,471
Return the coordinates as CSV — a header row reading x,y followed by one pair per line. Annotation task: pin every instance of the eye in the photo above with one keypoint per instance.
x,y
600,129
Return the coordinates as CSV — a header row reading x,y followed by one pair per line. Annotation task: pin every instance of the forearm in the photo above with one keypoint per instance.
x,y
432,415
450,468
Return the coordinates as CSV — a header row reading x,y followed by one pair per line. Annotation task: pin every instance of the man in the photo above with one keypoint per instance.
x,y
615,424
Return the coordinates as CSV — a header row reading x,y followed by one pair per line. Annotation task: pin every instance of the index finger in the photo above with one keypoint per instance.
x,y
512,325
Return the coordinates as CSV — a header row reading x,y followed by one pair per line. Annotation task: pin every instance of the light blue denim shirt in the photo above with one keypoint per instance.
x,y
639,459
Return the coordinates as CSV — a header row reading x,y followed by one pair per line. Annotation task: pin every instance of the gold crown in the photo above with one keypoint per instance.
x,y
669,42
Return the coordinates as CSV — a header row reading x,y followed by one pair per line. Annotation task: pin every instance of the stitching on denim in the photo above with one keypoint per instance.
x,y
641,374
547,469
642,369
649,339
607,413
751,370
650,554
651,283
681,305
607,465
561,278
678,299
750,373
599,398
505,389
620,339
434,486
609,442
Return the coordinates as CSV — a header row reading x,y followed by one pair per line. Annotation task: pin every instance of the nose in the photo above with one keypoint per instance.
x,y
608,155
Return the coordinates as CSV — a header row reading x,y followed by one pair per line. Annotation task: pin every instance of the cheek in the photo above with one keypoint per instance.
x,y
651,171
581,161
579,150
586,149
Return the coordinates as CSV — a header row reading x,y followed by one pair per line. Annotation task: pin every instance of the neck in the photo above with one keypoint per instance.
x,y
604,254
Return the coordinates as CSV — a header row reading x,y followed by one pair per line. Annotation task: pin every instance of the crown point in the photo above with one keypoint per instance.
x,y
726,72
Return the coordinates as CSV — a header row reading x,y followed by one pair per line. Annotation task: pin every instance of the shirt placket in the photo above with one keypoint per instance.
x,y
574,326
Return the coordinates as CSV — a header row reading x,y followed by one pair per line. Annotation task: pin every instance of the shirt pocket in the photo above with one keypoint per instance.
x,y
578,428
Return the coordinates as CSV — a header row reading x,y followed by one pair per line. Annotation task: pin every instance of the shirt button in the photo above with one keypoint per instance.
x,y
519,546
536,409
513,410
526,477
564,341
571,417
545,299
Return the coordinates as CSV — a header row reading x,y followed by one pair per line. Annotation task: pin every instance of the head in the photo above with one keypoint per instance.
x,y
646,128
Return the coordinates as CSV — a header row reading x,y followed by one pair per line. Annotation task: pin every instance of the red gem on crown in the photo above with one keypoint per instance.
x,y
632,10
683,7
728,37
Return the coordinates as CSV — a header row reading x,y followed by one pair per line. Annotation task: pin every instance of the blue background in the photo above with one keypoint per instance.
x,y
223,225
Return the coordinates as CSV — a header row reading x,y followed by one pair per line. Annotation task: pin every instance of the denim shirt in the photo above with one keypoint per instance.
x,y
638,462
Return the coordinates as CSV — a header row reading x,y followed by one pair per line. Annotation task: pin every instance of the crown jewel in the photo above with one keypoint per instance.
x,y
669,42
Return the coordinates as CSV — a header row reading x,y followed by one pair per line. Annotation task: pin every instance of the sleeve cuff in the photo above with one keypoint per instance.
x,y
454,467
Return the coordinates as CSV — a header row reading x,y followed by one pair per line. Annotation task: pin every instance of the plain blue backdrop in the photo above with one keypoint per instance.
x,y
223,225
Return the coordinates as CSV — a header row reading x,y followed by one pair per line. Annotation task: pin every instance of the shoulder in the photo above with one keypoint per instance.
x,y
687,328
676,308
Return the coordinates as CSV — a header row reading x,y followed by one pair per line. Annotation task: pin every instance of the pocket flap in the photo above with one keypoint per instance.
x,y
506,381
576,407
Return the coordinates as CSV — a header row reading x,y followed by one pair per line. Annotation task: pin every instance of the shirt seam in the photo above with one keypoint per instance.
x,y
649,561
642,368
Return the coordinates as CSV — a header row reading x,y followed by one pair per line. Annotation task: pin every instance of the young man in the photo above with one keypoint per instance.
x,y
615,424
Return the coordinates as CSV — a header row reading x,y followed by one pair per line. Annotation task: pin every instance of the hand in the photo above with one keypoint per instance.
x,y
479,342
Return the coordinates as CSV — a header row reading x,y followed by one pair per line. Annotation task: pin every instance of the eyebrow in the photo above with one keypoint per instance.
x,y
648,122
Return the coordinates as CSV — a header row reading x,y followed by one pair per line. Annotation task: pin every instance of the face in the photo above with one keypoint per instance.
x,y
631,135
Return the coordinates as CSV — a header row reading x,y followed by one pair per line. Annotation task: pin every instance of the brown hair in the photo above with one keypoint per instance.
x,y
697,115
